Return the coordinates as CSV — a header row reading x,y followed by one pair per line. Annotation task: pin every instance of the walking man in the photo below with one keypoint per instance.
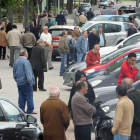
x,y
65,12
28,41
54,115
82,47
61,19
131,30
124,114
82,18
23,75
38,63
90,14
63,50
47,38
101,36
13,37
75,15
82,112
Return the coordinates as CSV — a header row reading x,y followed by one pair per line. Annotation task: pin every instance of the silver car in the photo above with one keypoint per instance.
x,y
103,3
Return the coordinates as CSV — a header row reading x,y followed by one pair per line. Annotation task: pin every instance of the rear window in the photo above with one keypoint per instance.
x,y
103,0
108,12
100,18
57,32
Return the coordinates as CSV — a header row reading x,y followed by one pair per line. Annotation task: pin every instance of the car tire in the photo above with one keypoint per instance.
x,y
119,42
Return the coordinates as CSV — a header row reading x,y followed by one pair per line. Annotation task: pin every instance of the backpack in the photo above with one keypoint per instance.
x,y
70,44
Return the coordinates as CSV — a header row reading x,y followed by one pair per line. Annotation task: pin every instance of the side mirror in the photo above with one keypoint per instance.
x,y
120,47
31,119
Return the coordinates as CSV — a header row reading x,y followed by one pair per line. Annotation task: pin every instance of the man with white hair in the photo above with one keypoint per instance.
x,y
38,63
93,39
132,30
54,116
76,33
47,38
82,18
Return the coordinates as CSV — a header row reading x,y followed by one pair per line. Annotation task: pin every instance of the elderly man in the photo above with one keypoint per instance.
x,y
75,15
38,63
76,33
101,36
28,41
65,12
129,68
82,47
23,75
136,22
47,38
82,112
134,96
93,39
54,115
93,56
82,18
132,30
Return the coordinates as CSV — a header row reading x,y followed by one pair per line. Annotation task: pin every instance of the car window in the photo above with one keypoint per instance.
x,y
126,19
86,25
57,32
12,112
108,12
2,118
112,19
133,40
120,19
110,28
126,26
100,18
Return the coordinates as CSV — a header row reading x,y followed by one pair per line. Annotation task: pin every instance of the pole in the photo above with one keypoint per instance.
x,y
47,6
55,7
58,6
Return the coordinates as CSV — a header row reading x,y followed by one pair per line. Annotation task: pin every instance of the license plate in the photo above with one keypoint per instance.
x,y
55,43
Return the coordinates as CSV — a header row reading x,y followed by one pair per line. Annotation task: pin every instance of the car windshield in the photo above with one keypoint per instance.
x,y
57,32
100,18
84,26
85,5
103,0
108,12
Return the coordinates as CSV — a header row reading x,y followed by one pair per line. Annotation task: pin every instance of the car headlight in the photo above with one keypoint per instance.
x,y
89,71
108,122
95,83
105,108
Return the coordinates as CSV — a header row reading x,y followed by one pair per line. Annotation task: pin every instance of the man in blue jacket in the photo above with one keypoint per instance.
x,y
23,75
61,19
82,46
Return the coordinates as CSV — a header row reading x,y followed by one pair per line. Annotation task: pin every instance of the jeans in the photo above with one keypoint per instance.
x,y
63,63
25,94
72,54
4,51
81,57
118,136
83,132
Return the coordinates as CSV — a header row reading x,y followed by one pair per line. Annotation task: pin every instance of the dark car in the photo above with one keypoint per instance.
x,y
133,14
15,125
108,12
109,7
126,9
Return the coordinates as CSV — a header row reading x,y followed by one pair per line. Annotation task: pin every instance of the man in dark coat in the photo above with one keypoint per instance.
x,y
49,23
92,39
132,30
90,14
39,65
61,19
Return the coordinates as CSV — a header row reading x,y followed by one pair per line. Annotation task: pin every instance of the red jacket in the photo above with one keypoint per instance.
x,y
91,58
127,71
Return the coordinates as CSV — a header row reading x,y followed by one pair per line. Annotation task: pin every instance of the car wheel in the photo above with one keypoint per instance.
x,y
119,41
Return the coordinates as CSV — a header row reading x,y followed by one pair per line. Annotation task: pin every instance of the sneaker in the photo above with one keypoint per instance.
x,y
42,89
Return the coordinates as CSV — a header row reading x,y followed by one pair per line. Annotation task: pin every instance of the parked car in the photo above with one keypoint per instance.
x,y
133,14
108,12
126,9
103,3
15,125
109,7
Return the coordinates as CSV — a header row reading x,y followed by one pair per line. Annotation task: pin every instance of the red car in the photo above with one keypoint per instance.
x,y
92,69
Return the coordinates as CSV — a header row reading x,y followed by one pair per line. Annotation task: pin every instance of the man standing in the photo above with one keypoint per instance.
x,y
136,22
93,56
90,14
61,19
63,50
134,96
23,75
93,39
101,36
76,33
129,68
131,30
49,23
65,12
75,15
47,38
13,37
124,114
28,40
82,47
54,115
38,63
82,18
82,112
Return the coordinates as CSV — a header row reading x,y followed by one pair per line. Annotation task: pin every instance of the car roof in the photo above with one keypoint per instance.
x,y
62,27
130,14
113,15
106,22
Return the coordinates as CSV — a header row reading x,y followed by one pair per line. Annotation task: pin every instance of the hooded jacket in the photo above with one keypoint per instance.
x,y
69,37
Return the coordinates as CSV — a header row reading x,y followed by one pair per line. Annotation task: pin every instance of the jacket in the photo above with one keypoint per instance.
x,y
3,39
80,45
90,14
54,116
28,39
49,24
22,72
43,21
61,19
103,37
69,37
76,34
13,37
63,46
34,31
131,31
38,60
127,71
75,13
82,18
36,24
92,40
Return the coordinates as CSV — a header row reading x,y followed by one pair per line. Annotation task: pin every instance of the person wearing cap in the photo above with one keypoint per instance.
x,y
28,40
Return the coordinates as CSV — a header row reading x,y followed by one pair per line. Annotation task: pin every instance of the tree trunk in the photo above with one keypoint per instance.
x,y
26,14
40,5
0,13
32,9
70,5
49,5
10,15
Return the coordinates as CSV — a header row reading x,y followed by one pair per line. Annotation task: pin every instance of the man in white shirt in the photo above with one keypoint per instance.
x,y
47,38
136,22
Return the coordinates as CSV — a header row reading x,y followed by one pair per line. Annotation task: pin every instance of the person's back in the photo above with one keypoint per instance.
x,y
34,31
90,14
43,21
49,24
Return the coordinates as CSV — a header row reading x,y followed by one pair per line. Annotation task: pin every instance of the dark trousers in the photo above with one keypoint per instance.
x,y
29,50
135,134
26,95
83,132
4,51
40,76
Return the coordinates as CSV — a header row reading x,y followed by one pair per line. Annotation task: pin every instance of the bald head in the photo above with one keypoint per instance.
x,y
24,53
76,28
45,29
54,91
131,25
82,13
94,31
127,82
96,48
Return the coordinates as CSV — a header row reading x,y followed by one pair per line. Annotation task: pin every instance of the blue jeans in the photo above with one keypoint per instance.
x,y
63,63
80,57
72,54
118,136
26,94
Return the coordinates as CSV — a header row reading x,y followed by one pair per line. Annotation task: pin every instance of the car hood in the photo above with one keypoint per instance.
x,y
104,90
110,114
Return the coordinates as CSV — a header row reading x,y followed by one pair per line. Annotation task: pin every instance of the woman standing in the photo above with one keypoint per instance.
x,y
53,19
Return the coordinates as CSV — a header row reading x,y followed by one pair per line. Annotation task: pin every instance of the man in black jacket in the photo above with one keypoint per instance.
x,y
61,19
132,30
90,14
134,96
49,23
38,63
93,39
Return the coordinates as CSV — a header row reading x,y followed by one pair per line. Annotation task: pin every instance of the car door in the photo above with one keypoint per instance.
x,y
120,19
13,117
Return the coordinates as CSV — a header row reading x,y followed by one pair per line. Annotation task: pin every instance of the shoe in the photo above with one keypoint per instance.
x,y
50,68
32,113
42,89
3,58
8,56
35,90
10,65
61,74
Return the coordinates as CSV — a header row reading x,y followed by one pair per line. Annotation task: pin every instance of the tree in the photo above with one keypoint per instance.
x,y
26,13
32,9
10,14
69,5
40,5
